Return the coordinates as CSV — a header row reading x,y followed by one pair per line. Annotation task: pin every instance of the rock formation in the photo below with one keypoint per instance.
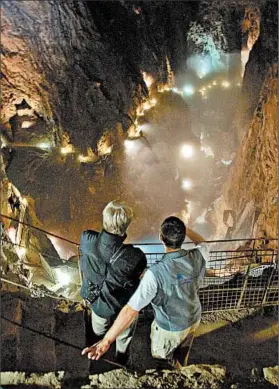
x,y
73,82
251,190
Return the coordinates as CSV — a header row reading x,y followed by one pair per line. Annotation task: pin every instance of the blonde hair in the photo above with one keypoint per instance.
x,y
116,217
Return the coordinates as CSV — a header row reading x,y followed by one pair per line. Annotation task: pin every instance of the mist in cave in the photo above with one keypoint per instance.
x,y
149,169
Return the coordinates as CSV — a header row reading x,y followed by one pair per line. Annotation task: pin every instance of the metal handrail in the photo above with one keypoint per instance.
x,y
255,287
39,229
134,243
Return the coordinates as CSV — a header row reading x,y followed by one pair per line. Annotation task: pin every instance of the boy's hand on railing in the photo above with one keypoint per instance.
x,y
97,350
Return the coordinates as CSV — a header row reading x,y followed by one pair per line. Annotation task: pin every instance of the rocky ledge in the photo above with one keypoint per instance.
x,y
193,376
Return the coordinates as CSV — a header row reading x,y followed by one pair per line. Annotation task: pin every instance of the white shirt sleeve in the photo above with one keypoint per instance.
x,y
145,292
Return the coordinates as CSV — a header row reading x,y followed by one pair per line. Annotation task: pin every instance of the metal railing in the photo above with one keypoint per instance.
x,y
234,279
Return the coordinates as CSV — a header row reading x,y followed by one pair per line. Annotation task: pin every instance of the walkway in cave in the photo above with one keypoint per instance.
x,y
238,341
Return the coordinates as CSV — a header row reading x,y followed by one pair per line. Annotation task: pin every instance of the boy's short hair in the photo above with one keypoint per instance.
x,y
116,217
173,232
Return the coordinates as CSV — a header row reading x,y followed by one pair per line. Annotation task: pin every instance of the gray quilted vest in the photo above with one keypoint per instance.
x,y
177,305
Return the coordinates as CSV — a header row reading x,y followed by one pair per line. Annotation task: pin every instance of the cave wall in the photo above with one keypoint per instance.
x,y
263,54
79,65
251,190
55,58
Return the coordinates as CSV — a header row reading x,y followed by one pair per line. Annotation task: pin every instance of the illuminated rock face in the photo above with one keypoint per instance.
x,y
55,58
262,56
252,187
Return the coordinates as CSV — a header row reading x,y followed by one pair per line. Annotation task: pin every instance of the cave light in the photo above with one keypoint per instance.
x,y
187,151
27,124
129,145
3,143
25,112
11,232
67,149
143,128
21,251
202,65
226,84
146,106
186,184
214,83
188,90
163,88
224,162
153,102
63,277
44,145
108,150
148,79
82,158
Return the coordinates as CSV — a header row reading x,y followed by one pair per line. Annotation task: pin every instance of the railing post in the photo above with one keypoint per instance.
x,y
267,285
243,287
267,288
245,279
